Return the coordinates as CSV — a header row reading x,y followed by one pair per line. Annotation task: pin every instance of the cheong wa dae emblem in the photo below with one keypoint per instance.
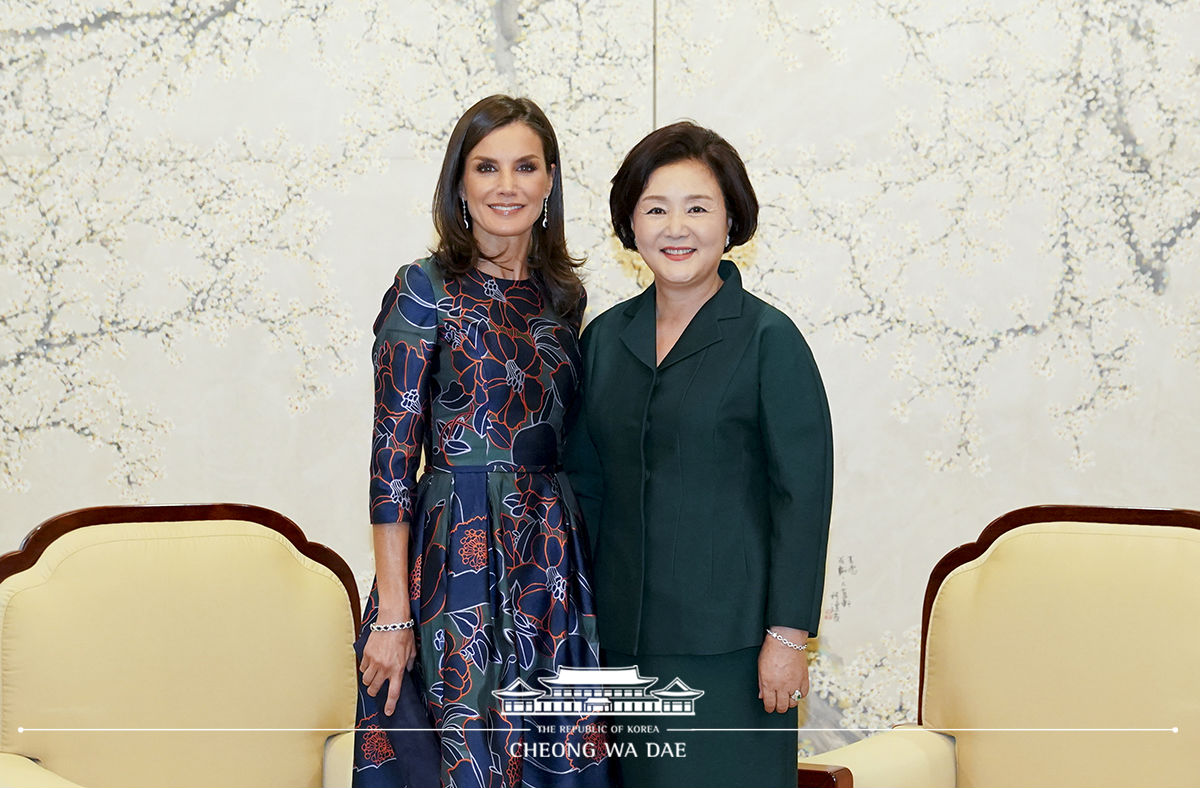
x,y
608,691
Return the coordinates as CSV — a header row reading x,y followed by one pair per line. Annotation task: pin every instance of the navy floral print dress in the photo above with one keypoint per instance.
x,y
480,372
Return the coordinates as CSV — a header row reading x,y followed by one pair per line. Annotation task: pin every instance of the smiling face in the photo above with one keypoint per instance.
x,y
505,179
680,224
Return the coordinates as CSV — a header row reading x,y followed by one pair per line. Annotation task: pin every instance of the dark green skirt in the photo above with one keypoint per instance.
x,y
751,747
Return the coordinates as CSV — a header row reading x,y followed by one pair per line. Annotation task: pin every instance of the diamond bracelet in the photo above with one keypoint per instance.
x,y
412,622
786,642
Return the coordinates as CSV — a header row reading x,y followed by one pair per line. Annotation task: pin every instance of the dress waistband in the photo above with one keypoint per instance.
x,y
493,467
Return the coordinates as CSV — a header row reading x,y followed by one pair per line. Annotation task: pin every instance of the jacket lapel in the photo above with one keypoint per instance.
x,y
638,334
705,328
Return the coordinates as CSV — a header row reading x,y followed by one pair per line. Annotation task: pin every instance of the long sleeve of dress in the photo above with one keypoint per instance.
x,y
798,437
403,354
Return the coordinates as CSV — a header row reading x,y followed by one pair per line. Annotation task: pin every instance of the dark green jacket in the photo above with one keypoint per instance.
x,y
705,481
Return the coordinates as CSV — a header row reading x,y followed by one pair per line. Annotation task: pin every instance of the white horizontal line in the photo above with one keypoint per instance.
x,y
242,730
935,730
672,730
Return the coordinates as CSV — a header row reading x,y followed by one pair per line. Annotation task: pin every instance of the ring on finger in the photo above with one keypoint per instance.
x,y
797,695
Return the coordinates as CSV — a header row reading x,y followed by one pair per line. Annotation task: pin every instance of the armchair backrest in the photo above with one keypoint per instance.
x,y
176,645
1062,618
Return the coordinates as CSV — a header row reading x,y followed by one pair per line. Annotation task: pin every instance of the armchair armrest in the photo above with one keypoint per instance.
x,y
906,757
815,775
17,771
339,760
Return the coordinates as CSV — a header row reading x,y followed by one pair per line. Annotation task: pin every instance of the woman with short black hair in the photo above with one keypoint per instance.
x,y
703,460
682,142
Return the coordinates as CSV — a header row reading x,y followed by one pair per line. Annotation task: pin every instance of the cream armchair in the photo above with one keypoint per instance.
x,y
1059,649
175,646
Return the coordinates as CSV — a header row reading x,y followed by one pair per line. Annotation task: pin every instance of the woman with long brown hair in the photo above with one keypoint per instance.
x,y
481,568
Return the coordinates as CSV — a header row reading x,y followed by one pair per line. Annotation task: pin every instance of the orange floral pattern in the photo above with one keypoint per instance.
x,y
472,550
513,772
375,745
477,374
414,580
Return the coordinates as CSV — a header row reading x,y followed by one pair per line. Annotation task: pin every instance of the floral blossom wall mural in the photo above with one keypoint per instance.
x,y
982,215
117,234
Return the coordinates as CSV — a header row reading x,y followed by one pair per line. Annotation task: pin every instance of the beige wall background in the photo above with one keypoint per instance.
x,y
982,215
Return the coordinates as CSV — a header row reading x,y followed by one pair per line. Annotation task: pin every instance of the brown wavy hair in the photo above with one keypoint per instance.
x,y
551,266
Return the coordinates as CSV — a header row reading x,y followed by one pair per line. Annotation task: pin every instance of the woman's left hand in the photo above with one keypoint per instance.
x,y
782,670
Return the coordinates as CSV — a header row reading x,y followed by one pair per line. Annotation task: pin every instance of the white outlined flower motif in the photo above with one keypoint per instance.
x,y
492,290
400,494
557,584
514,376
410,401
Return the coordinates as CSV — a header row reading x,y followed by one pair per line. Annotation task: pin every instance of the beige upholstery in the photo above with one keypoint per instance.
x,y
217,625
907,757
339,760
19,772
1062,625
1071,625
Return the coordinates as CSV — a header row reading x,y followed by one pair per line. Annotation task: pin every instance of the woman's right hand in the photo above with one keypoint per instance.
x,y
386,656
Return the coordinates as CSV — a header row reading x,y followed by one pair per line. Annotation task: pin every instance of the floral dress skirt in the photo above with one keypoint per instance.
x,y
480,373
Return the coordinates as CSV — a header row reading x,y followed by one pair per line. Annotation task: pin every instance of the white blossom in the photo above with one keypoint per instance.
x,y
1075,113
874,689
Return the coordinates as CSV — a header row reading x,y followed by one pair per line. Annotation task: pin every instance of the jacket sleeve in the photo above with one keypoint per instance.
x,y
581,460
798,440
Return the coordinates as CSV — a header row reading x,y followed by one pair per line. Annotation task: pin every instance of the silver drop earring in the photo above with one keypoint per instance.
x,y
466,216
727,242
545,212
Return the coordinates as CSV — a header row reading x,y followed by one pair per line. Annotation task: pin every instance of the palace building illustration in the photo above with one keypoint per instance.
x,y
598,691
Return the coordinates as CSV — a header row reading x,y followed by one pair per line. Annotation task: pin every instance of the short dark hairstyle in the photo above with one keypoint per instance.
x,y
551,266
679,142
